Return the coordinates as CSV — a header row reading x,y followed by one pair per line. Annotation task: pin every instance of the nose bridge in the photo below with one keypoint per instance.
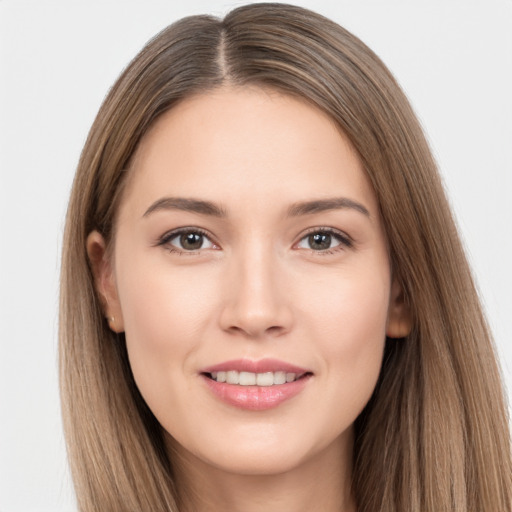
x,y
257,304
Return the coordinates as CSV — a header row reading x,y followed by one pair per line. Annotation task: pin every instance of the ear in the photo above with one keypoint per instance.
x,y
399,322
104,280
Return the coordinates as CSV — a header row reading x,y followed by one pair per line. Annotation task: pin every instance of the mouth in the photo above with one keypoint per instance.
x,y
265,379
255,385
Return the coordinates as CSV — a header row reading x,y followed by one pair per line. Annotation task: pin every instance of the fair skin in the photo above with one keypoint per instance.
x,y
281,256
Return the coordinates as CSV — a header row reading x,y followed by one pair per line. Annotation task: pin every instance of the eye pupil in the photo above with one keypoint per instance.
x,y
191,241
319,241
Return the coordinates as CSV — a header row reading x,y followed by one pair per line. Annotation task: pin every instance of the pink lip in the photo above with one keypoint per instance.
x,y
256,398
261,366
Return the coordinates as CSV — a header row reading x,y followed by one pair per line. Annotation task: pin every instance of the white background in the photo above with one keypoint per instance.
x,y
57,60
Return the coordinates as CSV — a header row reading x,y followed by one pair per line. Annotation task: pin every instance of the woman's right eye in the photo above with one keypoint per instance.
x,y
187,241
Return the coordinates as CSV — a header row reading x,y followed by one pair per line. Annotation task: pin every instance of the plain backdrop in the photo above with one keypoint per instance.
x,y
57,61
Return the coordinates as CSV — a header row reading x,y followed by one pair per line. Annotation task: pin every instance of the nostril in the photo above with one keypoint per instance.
x,y
256,329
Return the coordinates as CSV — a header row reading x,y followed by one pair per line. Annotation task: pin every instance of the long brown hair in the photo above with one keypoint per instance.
x,y
434,436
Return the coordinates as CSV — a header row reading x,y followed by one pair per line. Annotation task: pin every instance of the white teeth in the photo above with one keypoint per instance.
x,y
247,379
265,379
254,379
232,377
280,377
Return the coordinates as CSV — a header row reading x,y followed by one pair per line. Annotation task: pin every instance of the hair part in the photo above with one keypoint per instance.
x,y
435,434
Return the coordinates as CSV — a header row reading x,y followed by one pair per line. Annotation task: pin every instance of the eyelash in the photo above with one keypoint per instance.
x,y
166,239
345,242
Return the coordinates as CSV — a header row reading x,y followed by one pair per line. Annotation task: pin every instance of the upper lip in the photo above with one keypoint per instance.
x,y
259,366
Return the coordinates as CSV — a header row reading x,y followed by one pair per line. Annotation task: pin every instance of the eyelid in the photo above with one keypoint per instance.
x,y
345,240
173,233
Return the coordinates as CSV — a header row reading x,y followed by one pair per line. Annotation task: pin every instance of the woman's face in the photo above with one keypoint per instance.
x,y
251,276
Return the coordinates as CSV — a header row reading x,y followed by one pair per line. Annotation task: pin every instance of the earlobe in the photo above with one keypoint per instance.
x,y
104,280
399,323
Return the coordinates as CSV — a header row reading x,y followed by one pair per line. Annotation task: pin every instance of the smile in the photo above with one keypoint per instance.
x,y
255,385
254,379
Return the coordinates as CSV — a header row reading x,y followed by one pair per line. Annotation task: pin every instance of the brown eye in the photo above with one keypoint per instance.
x,y
320,241
186,241
191,241
324,241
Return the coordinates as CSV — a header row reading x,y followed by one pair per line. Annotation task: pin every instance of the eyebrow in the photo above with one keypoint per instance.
x,y
186,204
322,205
295,210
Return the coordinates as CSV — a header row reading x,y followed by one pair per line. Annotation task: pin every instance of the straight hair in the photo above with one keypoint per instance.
x,y
435,434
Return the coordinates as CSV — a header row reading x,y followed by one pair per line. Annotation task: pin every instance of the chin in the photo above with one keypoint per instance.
x,y
265,454
257,463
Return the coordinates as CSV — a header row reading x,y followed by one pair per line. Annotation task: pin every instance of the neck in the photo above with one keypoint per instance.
x,y
321,483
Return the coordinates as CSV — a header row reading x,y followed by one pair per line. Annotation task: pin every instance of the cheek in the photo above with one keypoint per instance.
x,y
350,304
164,311
357,313
350,324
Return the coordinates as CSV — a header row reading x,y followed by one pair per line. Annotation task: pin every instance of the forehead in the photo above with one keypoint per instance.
x,y
245,143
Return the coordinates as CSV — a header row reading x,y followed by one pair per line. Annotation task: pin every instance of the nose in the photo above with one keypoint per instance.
x,y
257,303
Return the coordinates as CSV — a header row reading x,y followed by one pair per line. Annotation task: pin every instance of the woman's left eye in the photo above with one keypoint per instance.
x,y
187,241
322,241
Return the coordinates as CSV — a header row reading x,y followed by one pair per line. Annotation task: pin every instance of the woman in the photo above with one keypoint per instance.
x,y
264,299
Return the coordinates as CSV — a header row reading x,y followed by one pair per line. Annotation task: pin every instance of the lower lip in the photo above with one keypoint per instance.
x,y
256,398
